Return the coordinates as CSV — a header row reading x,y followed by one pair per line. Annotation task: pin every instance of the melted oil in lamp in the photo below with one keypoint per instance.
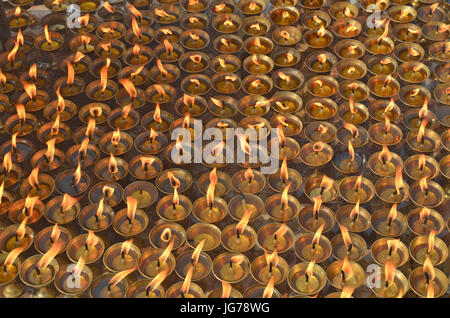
x,y
73,182
423,247
62,209
312,217
320,131
160,93
258,64
279,180
16,236
8,82
49,236
203,233
269,267
124,118
385,134
194,21
194,62
23,42
38,271
37,76
221,179
67,276
110,30
185,289
11,287
257,84
222,6
286,103
388,250
382,65
157,120
61,107
423,139
239,237
40,185
389,222
110,286
111,192
30,208
286,35
21,124
256,25
318,38
258,45
275,237
351,112
346,28
288,148
222,106
138,55
426,193
243,202
422,221
320,61
380,109
428,281
194,84
103,89
193,265
348,162
228,44
20,149
381,44
439,51
116,142
138,75
163,233
87,24
174,207
49,41
353,217
315,19
94,113
343,10
111,169
109,13
384,162
210,208
167,14
407,52
321,108
170,33
145,193
421,166
282,207
154,261
54,130
19,20
320,186
226,23
442,93
348,245
248,181
83,43
194,40
322,86
345,273
286,57
33,99
288,79
121,256
349,48
313,246
306,278
315,154
231,267
284,15
402,14
145,167
144,288
150,143
252,7
164,74
96,217
393,284
226,291
110,48
91,131
226,83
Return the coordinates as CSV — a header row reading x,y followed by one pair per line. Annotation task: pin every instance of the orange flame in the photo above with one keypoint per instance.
x,y
398,179
423,184
389,272
12,256
45,260
271,259
77,174
131,208
226,290
119,276
321,31
30,89
392,213
161,68
112,165
354,213
346,237
240,227
197,251
174,181
67,202
161,13
284,176
108,7
166,253
7,162
33,178
84,20
47,35
268,291
347,269
21,230
385,32
126,246
13,52
129,87
431,240
56,232
351,151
